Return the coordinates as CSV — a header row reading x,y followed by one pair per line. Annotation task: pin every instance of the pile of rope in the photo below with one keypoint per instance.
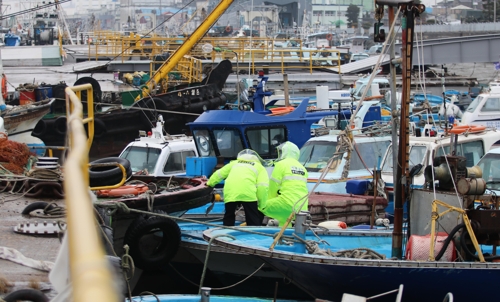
x,y
13,155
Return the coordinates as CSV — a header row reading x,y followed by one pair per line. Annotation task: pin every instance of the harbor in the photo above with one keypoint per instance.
x,y
248,152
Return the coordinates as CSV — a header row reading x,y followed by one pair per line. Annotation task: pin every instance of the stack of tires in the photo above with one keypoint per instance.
x,y
108,175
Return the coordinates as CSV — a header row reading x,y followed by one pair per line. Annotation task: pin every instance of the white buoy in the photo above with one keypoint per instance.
x,y
322,97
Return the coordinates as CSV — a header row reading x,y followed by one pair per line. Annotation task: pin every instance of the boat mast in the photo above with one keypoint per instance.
x,y
410,11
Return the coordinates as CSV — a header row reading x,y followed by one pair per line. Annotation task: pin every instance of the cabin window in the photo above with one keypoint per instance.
x,y
203,142
264,141
370,153
491,104
314,155
473,105
141,158
176,161
490,165
228,142
417,156
472,151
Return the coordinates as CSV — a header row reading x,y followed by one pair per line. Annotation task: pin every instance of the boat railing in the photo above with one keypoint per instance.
x,y
281,53
90,275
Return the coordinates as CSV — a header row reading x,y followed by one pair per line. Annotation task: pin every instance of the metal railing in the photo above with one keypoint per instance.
x,y
90,274
256,51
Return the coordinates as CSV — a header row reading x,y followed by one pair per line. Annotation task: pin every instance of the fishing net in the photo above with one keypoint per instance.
x,y
13,155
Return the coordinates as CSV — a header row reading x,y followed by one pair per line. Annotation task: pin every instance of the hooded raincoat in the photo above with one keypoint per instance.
x,y
246,179
287,185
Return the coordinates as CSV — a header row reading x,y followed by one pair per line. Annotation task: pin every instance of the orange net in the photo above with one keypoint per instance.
x,y
13,155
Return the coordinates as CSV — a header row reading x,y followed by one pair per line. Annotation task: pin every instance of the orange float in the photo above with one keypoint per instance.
x,y
123,190
4,87
467,128
281,110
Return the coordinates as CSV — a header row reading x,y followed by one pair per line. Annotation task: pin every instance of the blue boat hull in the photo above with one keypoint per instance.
x,y
420,284
328,277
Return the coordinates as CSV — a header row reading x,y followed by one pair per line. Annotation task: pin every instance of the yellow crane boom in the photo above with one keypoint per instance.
x,y
188,44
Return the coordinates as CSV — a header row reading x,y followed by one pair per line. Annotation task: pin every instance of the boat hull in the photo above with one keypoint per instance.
x,y
328,277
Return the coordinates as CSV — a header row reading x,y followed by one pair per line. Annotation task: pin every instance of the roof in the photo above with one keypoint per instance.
x,y
361,65
460,7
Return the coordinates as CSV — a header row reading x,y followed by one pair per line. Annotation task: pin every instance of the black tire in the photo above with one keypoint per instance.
x,y
149,251
33,295
60,126
96,87
40,129
107,176
38,205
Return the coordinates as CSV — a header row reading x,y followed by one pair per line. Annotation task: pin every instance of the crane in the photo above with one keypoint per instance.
x,y
188,44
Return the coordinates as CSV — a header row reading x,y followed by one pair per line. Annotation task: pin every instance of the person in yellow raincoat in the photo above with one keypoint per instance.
x,y
246,183
287,185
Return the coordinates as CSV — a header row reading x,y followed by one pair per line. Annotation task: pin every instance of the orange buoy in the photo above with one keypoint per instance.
x,y
329,37
123,190
4,87
467,128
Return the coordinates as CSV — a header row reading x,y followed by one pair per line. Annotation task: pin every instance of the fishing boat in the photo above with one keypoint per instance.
x,y
447,235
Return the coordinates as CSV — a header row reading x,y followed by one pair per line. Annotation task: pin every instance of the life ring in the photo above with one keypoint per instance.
x,y
28,294
281,110
467,128
228,29
329,37
141,233
4,87
109,175
123,190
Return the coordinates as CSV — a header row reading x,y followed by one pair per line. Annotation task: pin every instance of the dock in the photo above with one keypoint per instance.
x,y
41,248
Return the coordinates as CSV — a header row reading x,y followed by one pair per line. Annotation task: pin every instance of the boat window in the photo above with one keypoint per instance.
x,y
490,165
141,158
314,155
265,140
228,142
473,151
176,161
491,104
203,142
473,105
417,156
370,152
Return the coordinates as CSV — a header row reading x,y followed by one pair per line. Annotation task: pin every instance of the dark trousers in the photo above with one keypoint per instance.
x,y
252,214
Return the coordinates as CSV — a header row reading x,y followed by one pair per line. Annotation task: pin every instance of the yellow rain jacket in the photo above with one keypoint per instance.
x,y
246,179
287,185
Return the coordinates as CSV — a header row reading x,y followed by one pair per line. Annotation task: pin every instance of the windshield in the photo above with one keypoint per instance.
x,y
314,155
141,157
417,156
228,142
472,106
490,164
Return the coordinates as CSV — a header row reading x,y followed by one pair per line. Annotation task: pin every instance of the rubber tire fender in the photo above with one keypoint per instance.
x,y
38,205
40,129
106,176
30,294
170,241
96,88
60,126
